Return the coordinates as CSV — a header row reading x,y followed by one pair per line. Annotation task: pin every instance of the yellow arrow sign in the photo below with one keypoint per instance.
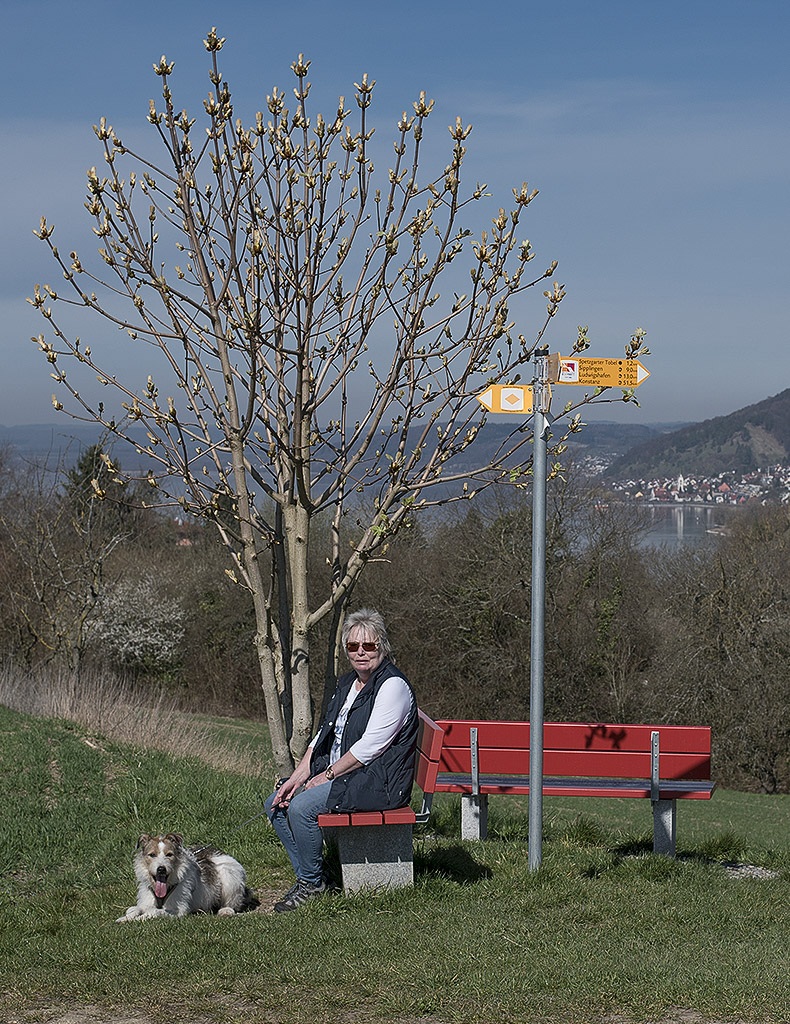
x,y
597,373
516,398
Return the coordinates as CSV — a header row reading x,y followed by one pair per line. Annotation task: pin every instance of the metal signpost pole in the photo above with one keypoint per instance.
x,y
539,473
520,399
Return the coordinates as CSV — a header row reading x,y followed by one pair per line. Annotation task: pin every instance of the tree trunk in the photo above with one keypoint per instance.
x,y
297,530
280,750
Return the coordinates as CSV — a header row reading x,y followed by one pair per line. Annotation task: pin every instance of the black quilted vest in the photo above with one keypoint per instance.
x,y
386,782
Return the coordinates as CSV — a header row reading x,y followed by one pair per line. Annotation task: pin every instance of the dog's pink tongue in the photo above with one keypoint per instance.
x,y
160,890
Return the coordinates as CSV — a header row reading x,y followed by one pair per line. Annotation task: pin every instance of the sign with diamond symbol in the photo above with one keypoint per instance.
x,y
512,399
515,398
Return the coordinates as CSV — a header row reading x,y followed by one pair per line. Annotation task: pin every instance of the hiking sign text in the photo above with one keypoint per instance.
x,y
597,373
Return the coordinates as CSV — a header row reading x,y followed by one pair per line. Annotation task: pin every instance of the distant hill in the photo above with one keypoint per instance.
x,y
756,436
751,438
595,440
613,439
51,444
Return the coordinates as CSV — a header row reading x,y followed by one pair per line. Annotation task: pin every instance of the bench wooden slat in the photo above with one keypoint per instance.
x,y
580,736
367,818
401,815
430,738
425,775
608,763
334,819
684,789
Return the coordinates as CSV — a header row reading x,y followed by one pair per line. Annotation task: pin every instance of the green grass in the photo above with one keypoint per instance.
x,y
731,825
604,928
239,732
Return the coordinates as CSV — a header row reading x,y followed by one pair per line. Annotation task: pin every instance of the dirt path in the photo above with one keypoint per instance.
x,y
96,1015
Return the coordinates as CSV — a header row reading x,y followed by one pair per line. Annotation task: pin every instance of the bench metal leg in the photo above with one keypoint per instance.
x,y
375,856
664,826
474,815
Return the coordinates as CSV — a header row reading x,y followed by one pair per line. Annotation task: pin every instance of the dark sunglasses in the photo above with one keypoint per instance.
x,y
367,645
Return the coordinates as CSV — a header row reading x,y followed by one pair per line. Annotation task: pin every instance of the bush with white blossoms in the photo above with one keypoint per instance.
x,y
139,625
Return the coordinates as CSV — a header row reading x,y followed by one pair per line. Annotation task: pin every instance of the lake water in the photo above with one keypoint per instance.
x,y
678,525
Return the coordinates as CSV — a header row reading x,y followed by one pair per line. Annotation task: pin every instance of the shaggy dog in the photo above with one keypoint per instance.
x,y
173,880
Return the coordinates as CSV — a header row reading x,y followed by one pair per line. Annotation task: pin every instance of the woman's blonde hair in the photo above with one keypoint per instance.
x,y
372,625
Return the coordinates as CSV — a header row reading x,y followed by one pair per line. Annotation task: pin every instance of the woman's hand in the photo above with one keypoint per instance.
x,y
283,795
288,789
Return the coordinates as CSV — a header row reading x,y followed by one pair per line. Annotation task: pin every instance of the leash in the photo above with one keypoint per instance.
x,y
209,846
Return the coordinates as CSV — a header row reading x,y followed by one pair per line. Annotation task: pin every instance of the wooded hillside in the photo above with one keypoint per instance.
x,y
749,439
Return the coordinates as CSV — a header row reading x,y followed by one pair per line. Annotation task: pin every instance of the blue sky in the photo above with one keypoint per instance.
x,y
658,134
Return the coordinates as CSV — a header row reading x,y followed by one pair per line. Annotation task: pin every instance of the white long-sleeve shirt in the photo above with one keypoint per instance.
x,y
390,711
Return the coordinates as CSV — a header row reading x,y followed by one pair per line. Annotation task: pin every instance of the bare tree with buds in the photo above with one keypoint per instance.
x,y
294,270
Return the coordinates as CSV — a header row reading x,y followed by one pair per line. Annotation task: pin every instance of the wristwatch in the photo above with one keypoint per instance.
x,y
330,773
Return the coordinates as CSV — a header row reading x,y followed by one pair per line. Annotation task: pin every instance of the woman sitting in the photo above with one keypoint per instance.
x,y
362,758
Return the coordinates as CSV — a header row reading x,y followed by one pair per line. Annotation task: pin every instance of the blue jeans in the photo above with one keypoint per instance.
x,y
299,832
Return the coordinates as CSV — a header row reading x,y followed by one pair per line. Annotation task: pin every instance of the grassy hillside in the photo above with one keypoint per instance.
x,y
604,928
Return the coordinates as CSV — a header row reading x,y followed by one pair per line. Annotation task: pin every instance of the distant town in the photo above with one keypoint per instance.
x,y
767,486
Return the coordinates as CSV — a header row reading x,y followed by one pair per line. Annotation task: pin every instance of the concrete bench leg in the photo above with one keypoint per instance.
x,y
375,856
664,826
474,816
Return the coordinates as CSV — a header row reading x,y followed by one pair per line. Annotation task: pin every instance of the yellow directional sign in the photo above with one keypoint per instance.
x,y
507,398
597,373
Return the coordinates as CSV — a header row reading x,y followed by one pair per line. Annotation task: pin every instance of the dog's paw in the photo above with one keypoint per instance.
x,y
130,915
225,912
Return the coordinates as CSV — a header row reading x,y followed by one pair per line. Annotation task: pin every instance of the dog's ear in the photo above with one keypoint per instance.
x,y
144,838
174,838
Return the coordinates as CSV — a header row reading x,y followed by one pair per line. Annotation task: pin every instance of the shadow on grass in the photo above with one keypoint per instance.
x,y
632,847
723,846
452,862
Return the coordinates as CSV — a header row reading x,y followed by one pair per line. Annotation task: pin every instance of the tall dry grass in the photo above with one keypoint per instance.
x,y
121,711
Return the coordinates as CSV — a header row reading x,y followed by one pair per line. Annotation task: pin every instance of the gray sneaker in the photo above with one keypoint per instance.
x,y
290,892
299,894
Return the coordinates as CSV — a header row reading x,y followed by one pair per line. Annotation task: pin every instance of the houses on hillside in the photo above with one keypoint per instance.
x,y
768,486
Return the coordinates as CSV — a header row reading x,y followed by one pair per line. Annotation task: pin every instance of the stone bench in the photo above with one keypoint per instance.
x,y
376,847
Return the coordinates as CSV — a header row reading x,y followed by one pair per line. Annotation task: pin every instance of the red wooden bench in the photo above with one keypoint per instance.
x,y
662,763
376,847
